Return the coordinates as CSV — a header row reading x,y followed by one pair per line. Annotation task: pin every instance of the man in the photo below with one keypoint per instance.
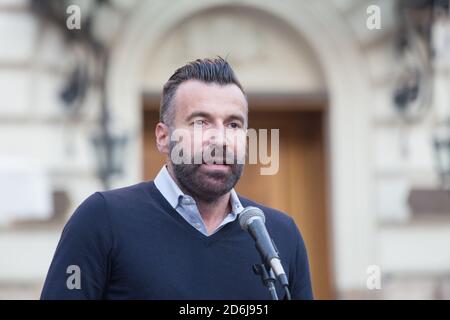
x,y
178,237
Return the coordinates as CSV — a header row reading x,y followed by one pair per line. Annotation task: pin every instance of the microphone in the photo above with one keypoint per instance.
x,y
252,219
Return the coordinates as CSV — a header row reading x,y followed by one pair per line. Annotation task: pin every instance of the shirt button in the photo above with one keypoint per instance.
x,y
197,225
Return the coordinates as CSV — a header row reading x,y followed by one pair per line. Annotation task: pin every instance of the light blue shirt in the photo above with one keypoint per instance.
x,y
185,205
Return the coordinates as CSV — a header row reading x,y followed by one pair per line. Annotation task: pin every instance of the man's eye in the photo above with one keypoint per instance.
x,y
234,125
199,123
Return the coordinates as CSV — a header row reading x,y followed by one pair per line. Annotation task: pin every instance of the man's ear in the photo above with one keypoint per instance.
x,y
162,137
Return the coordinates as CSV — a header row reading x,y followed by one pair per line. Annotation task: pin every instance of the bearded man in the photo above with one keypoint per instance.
x,y
178,237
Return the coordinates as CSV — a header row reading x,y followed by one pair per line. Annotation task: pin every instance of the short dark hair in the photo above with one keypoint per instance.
x,y
216,70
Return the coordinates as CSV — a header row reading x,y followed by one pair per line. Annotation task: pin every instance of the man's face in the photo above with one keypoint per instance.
x,y
212,121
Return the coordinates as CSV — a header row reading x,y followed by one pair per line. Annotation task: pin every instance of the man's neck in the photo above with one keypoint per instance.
x,y
212,212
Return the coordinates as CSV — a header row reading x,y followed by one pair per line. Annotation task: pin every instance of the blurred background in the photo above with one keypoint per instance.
x,y
360,91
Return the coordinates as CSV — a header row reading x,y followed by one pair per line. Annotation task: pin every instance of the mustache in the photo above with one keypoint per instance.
x,y
210,154
214,154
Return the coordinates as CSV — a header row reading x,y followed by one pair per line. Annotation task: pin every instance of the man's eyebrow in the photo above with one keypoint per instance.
x,y
202,114
198,114
236,117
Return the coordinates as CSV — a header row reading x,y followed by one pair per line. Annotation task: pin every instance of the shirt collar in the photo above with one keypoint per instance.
x,y
236,205
173,194
167,186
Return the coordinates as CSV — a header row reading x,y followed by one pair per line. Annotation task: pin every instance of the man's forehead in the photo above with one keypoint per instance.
x,y
194,94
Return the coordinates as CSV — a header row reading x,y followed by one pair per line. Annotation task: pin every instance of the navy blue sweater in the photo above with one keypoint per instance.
x,y
129,243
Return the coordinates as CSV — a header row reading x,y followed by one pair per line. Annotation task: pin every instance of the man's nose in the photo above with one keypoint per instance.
x,y
217,136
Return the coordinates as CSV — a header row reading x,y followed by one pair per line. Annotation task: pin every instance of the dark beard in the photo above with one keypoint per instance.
x,y
206,186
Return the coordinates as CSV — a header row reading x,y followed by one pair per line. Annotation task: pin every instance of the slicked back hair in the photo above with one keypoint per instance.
x,y
216,70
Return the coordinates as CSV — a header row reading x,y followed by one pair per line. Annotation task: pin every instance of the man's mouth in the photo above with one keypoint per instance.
x,y
215,165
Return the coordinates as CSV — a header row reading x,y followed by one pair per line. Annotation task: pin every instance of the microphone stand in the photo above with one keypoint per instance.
x,y
267,277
